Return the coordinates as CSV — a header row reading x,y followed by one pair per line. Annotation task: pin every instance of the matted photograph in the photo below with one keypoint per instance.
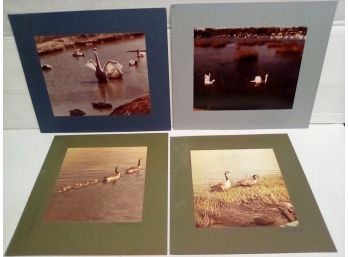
x,y
242,194
97,195
249,68
245,65
102,184
95,74
96,71
239,188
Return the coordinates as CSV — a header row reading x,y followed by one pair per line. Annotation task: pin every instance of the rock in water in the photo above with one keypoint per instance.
x,y
46,67
102,105
140,105
77,112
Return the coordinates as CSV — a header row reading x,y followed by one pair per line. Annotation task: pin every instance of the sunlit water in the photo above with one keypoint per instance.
x,y
233,90
70,84
208,166
100,202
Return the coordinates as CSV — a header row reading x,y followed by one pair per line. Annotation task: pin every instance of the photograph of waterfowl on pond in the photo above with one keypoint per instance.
x,y
101,184
239,188
251,68
95,74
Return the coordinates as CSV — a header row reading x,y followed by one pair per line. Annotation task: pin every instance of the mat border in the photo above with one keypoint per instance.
x,y
152,22
311,235
34,236
185,18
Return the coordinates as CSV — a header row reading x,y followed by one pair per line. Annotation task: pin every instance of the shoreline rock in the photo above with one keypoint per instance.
x,y
140,105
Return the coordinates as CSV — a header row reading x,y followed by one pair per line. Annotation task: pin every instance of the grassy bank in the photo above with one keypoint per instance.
x,y
49,44
240,206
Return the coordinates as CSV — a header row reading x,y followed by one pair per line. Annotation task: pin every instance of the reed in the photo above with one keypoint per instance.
x,y
290,49
246,54
209,206
202,42
211,42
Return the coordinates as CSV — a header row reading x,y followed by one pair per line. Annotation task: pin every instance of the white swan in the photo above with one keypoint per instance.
x,y
111,70
207,80
222,186
258,80
77,53
140,53
133,63
134,169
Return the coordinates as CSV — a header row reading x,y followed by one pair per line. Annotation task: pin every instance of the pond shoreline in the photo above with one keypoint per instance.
x,y
51,44
140,105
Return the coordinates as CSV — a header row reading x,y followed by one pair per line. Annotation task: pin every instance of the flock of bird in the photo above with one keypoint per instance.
x,y
247,182
258,81
107,179
111,69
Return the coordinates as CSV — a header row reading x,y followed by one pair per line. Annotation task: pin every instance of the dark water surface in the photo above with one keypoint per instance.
x,y
233,89
71,84
99,202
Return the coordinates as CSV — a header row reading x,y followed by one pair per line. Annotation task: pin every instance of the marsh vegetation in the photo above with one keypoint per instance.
x,y
264,204
236,56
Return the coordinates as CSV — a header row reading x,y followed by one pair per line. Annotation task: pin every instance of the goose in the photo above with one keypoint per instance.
x,y
86,183
112,178
67,188
77,112
222,186
258,80
111,70
248,182
93,181
64,189
134,169
77,185
207,80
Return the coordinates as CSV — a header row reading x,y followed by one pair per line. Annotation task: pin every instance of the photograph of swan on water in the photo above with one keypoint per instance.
x,y
101,184
239,188
95,74
251,68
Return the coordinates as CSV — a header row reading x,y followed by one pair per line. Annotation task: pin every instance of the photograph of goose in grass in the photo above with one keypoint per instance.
x,y
239,188
95,74
251,68
96,185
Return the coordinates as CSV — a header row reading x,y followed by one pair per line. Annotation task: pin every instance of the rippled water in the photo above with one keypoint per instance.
x,y
109,202
233,90
208,166
70,84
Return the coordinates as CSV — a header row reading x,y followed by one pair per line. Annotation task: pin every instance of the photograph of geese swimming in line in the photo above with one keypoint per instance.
x,y
103,184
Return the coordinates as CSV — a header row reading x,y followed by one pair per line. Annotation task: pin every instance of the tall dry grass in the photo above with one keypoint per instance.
x,y
246,54
209,206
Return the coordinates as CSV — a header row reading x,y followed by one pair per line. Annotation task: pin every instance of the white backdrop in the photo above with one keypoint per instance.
x,y
18,109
